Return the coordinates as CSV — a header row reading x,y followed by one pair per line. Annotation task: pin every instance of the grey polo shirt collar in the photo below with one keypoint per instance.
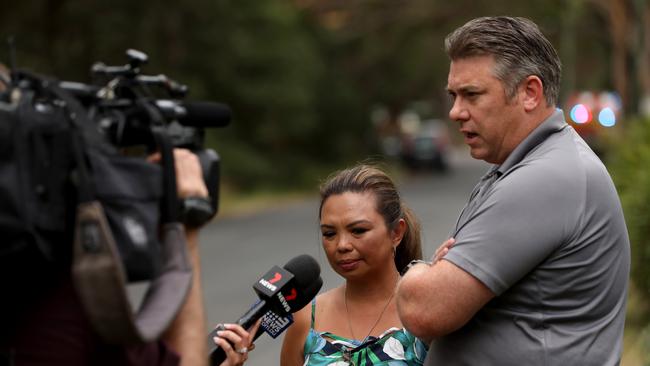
x,y
554,123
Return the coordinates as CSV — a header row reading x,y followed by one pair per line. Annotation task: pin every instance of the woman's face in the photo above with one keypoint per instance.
x,y
354,235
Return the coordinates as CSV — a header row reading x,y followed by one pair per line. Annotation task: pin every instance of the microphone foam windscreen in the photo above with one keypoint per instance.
x,y
307,278
306,295
305,270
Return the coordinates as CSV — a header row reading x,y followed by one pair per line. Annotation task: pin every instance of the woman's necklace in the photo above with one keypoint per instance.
x,y
347,314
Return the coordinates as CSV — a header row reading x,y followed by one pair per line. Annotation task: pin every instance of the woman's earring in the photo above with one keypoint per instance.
x,y
394,251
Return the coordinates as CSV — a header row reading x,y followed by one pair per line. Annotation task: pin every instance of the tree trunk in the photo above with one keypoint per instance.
x,y
619,30
643,65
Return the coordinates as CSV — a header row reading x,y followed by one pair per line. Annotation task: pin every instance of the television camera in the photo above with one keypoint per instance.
x,y
127,106
80,195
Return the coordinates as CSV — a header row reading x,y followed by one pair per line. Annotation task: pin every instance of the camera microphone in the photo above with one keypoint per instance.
x,y
200,114
196,113
281,291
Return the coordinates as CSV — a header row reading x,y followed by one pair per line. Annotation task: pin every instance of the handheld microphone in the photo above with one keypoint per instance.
x,y
274,324
281,291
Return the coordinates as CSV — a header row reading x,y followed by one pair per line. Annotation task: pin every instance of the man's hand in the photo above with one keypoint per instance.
x,y
442,250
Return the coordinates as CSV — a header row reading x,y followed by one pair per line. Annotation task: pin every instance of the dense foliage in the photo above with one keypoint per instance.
x,y
629,163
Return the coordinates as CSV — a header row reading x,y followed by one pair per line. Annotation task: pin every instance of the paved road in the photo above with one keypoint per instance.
x,y
236,251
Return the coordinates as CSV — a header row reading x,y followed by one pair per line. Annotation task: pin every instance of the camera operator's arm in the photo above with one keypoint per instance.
x,y
186,335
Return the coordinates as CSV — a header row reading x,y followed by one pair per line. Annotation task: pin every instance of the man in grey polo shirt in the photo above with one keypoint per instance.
x,y
539,270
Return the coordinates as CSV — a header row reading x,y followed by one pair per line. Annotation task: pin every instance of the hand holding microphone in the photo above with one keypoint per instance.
x,y
281,291
236,342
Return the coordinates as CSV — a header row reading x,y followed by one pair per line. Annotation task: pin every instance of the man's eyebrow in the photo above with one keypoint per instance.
x,y
465,89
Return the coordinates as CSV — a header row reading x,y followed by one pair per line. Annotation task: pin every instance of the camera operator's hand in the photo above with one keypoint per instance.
x,y
189,177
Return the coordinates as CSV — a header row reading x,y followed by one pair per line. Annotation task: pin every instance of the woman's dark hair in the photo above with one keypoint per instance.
x,y
367,178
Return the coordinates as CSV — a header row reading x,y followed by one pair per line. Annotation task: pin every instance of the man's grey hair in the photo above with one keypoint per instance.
x,y
519,49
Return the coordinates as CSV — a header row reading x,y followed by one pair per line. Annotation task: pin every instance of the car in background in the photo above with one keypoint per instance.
x,y
428,147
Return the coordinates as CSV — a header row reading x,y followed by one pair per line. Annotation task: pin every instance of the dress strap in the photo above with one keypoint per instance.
x,y
313,312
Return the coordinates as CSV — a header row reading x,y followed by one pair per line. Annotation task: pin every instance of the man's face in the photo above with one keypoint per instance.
x,y
488,119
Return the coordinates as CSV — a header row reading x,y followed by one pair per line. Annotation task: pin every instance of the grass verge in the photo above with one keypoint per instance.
x,y
636,340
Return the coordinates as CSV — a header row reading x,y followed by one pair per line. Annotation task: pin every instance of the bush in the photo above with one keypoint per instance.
x,y
629,164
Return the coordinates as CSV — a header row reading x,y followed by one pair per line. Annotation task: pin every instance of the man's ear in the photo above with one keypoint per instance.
x,y
532,93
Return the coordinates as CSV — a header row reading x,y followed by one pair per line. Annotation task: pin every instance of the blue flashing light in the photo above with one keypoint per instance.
x,y
606,117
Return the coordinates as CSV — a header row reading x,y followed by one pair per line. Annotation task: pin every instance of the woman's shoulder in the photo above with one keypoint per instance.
x,y
328,297
329,293
324,303
304,316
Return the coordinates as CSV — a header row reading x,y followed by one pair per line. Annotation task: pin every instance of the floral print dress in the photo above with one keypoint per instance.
x,y
394,347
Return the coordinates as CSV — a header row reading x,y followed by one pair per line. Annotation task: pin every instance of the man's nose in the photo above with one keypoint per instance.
x,y
458,112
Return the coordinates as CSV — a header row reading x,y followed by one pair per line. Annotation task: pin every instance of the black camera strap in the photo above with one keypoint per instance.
x,y
169,204
97,269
